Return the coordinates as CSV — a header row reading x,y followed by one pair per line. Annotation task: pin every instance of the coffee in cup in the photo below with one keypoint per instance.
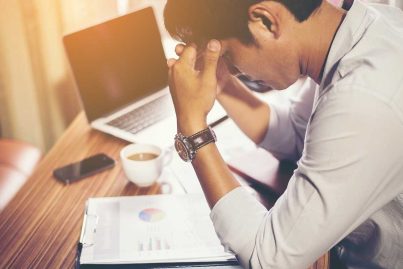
x,y
143,163
142,156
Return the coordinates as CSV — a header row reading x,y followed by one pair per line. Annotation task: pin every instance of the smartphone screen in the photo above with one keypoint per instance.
x,y
83,168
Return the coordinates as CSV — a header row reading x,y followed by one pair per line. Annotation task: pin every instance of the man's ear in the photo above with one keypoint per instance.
x,y
266,17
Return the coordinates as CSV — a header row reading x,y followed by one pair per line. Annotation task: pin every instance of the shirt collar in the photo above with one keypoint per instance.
x,y
350,32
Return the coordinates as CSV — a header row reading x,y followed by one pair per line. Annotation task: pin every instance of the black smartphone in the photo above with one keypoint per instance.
x,y
84,168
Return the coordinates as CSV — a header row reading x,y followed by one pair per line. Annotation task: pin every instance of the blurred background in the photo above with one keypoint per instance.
x,y
38,96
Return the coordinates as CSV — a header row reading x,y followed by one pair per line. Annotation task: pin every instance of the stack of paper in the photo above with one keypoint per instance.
x,y
150,229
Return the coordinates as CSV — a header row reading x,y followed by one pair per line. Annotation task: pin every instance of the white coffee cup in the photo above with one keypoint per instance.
x,y
141,172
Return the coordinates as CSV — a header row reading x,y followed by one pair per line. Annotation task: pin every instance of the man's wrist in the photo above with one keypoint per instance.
x,y
190,127
188,145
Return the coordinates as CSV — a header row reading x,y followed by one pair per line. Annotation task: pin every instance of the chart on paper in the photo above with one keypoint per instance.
x,y
155,229
153,244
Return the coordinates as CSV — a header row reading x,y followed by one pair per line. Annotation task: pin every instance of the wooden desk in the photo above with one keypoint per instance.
x,y
41,225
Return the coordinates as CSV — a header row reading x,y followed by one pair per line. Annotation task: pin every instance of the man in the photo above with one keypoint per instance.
x,y
345,129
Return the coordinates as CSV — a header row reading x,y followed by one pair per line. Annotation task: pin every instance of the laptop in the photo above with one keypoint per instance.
x,y
121,75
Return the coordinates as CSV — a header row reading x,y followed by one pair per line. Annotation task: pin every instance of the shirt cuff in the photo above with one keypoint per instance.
x,y
237,217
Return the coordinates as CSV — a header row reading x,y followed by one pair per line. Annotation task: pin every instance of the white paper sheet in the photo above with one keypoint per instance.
x,y
152,229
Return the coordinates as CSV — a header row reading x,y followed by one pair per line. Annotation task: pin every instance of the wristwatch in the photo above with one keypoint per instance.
x,y
188,146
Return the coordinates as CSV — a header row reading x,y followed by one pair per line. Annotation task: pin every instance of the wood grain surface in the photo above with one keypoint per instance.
x,y
41,225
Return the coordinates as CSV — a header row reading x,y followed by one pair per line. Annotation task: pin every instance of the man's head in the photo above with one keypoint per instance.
x,y
197,21
259,37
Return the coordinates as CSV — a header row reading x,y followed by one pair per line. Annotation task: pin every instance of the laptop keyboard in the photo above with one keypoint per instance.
x,y
144,116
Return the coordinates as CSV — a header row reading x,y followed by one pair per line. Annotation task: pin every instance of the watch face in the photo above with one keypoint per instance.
x,y
182,150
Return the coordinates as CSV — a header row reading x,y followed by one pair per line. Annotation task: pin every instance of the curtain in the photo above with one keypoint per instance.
x,y
33,73
38,96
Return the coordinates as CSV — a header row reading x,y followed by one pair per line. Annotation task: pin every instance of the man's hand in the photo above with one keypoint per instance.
x,y
223,73
194,91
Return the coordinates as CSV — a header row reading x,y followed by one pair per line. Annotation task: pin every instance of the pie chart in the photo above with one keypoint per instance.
x,y
152,215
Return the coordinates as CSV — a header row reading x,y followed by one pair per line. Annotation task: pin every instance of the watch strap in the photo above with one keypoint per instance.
x,y
202,138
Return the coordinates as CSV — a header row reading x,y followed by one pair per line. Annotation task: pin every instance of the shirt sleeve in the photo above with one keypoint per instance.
x,y
287,126
349,169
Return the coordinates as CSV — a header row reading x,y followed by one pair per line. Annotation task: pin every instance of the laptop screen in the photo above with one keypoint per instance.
x,y
117,62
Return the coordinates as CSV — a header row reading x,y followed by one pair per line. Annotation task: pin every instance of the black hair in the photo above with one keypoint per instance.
x,y
201,20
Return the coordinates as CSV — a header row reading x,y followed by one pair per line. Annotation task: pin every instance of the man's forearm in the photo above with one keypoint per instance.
x,y
249,113
213,173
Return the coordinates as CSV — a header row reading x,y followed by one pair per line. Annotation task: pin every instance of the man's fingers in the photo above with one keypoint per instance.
x,y
189,55
210,59
179,49
171,62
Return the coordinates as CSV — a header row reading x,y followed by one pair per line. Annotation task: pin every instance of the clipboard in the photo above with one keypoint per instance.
x,y
92,222
213,265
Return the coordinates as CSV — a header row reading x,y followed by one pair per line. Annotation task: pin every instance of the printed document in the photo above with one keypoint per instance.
x,y
150,229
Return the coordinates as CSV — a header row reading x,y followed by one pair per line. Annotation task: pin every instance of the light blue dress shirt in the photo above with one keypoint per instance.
x,y
347,136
